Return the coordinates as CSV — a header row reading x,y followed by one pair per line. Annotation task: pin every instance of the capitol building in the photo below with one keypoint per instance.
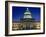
x,y
26,23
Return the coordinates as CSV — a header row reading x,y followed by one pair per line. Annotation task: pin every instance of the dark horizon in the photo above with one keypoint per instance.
x,y
18,12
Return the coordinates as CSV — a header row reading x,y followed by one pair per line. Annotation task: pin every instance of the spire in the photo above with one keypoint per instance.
x,y
27,9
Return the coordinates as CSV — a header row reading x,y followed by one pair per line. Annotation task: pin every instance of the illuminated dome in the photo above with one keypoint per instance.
x,y
27,14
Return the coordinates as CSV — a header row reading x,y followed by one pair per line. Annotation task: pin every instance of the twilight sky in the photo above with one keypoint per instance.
x,y
18,12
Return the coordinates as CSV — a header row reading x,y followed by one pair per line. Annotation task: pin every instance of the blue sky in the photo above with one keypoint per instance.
x,y
18,12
